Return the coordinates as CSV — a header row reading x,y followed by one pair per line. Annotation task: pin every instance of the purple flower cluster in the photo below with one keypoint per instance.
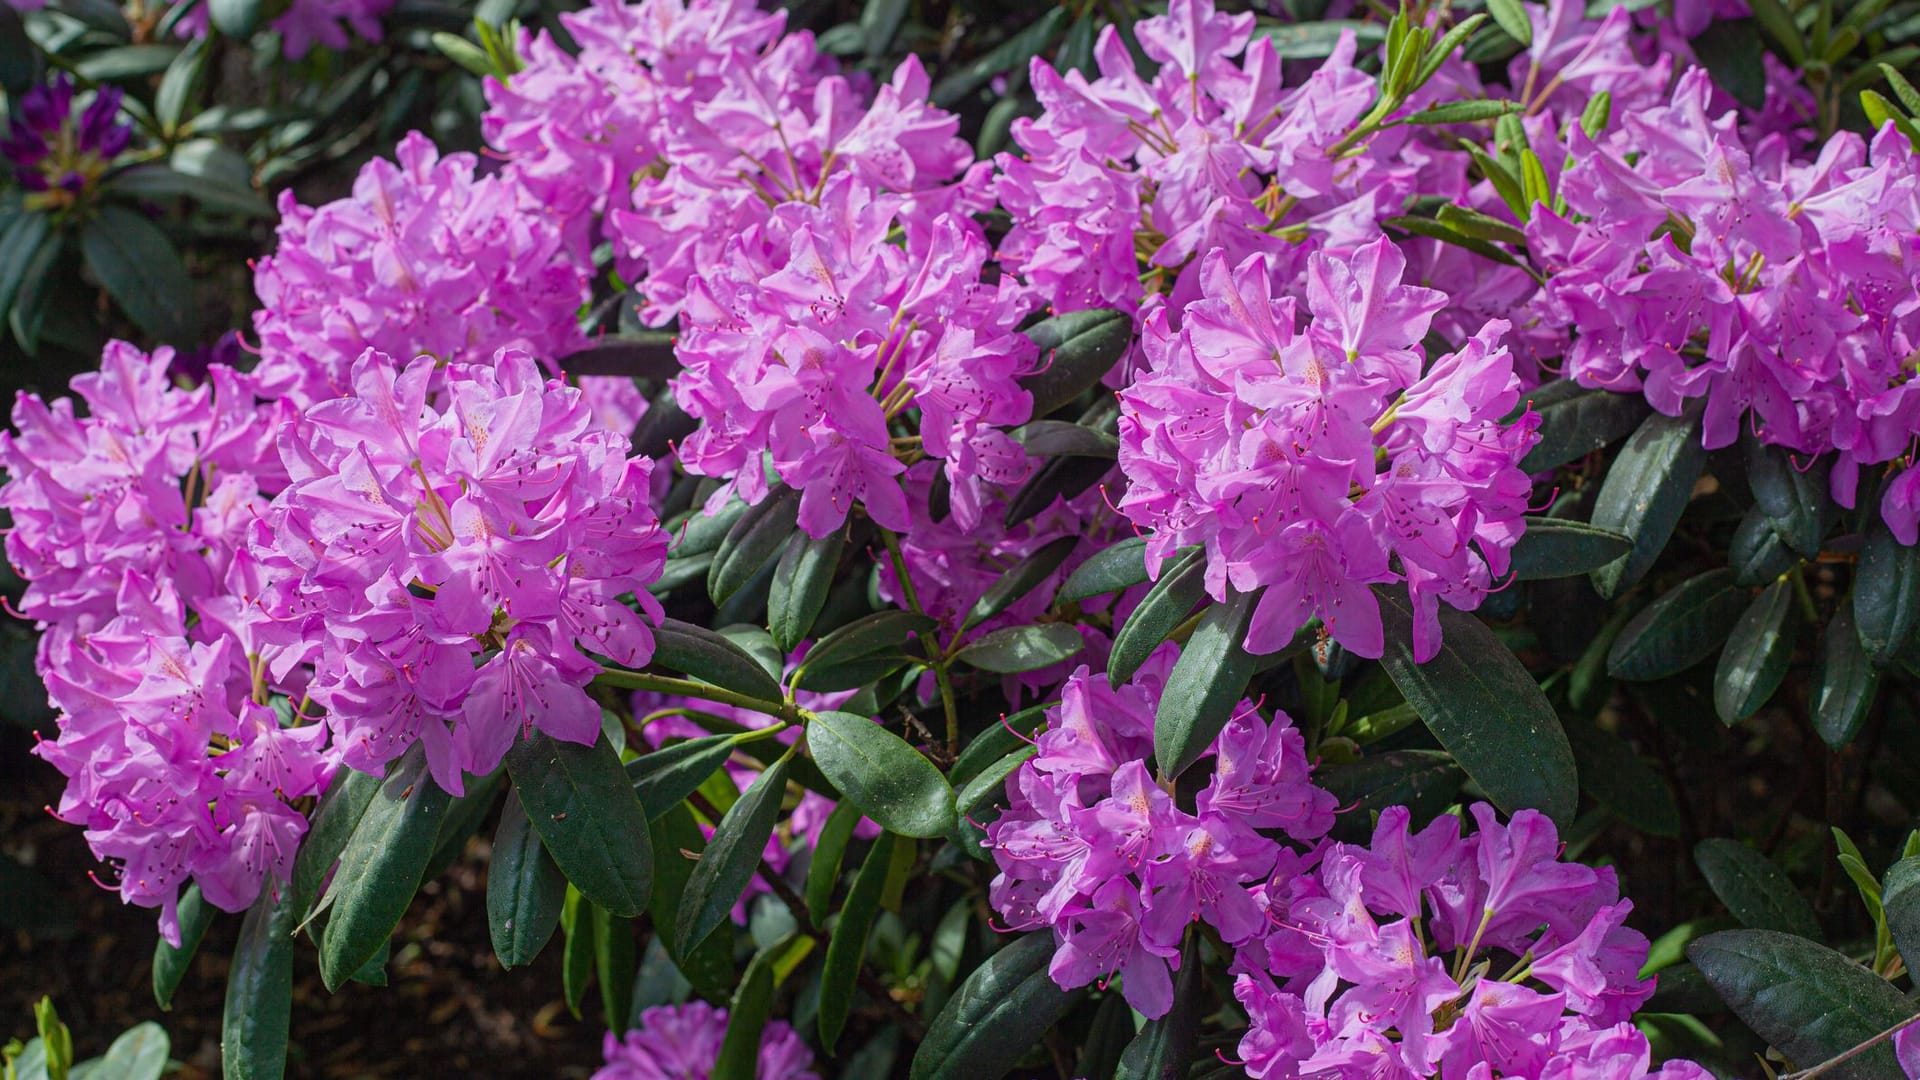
x,y
131,528
446,561
1691,264
424,258
1352,979
682,1042
56,155
1093,848
1314,464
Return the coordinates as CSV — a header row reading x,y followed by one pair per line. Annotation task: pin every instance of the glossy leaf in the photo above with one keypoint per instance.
x,y
22,238
139,267
801,583
1062,438
829,849
646,355
1755,890
525,889
1900,900
708,656
1678,630
1554,547
997,742
341,808
678,844
1205,686
841,660
1020,579
381,867
616,959
876,770
1485,709
1754,661
1886,594
1648,485
753,542
576,961
171,964
234,18
1807,1000
1756,553
1014,649
1845,682
583,806
182,78
731,857
1181,585
1110,569
1077,349
1001,1011
1056,478
1575,421
1424,781
1793,495
665,777
139,1053
848,946
1164,1047
746,1019
259,1005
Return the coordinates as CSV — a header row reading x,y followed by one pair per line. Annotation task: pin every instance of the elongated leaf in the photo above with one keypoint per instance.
x,y
996,742
801,583
1807,1000
1317,40
708,656
259,1006
616,959
1755,658
381,867
1181,585
842,659
170,964
1062,438
341,808
126,62
1111,569
1459,112
1424,781
876,770
1023,648
1757,554
677,839
20,241
1485,709
1575,422
1036,38
1845,682
1057,478
1646,489
138,266
1512,18
576,962
139,1053
732,856
1622,781
1206,684
1792,495
1678,630
178,84
583,806
462,820
1552,547
525,889
1077,349
647,355
1886,594
746,1018
1002,1009
700,533
1020,579
1900,900
1107,1040
1163,1048
848,945
1754,889
663,778
234,18
753,542
823,873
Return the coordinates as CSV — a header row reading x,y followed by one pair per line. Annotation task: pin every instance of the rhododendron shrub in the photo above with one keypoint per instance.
x,y
1180,544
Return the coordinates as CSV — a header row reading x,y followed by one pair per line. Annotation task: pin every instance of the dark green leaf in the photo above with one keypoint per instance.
x,y
1485,709
160,183
1845,682
731,857
746,1018
1647,487
800,586
876,770
1755,658
1056,478
879,22
979,801
583,806
140,269
1077,349
1900,900
1447,234
834,661
576,962
341,807
1754,889
170,964
1780,26
1886,594
668,775
381,867
677,839
823,873
1164,1047
753,542
17,58
616,959
1424,781
1678,630
1621,780
1460,112
1795,498
20,241
30,304
848,945
1555,547
1807,1000
126,62
710,657
234,18
1182,584
1110,569
1022,648
699,533
1010,55
991,1021
1020,579
1575,421
462,820
1205,686
1757,554
1063,438
1316,40
259,1007
647,355
178,84
525,889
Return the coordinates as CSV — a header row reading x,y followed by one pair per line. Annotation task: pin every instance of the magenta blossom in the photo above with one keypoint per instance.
x,y
682,1042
